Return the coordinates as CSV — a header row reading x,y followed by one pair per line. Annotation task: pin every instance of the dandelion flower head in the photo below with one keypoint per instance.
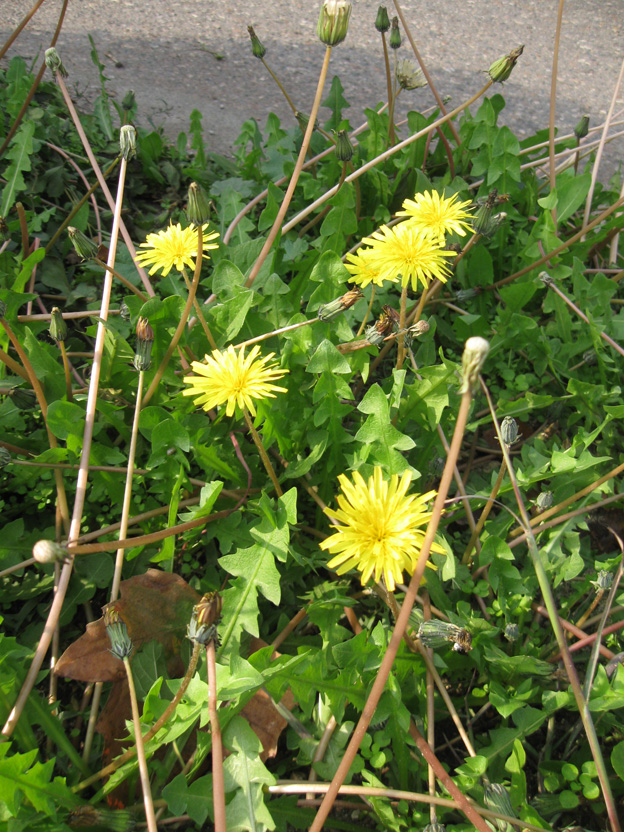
x,y
233,379
362,268
175,247
379,529
437,216
405,251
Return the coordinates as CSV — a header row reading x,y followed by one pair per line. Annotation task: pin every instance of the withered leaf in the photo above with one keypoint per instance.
x,y
156,605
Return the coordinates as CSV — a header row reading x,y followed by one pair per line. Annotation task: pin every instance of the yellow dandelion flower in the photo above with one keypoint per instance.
x,y
436,216
404,251
362,269
233,379
379,530
175,247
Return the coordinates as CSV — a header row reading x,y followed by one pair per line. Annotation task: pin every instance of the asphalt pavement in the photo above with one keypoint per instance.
x,y
181,55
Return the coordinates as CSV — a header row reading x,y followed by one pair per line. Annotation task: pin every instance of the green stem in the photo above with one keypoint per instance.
x,y
121,279
68,384
263,454
484,514
391,137
280,85
200,315
150,817
552,176
218,788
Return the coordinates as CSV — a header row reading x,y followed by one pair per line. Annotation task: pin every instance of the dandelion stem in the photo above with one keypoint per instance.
x,y
68,384
218,789
263,454
275,332
150,817
553,100
200,315
121,279
391,137
402,317
484,514
281,86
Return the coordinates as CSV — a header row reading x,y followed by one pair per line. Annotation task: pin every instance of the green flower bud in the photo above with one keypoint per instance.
x,y
512,632
344,148
331,310
382,23
436,633
333,22
2,310
58,327
395,34
101,820
54,63
47,551
128,102
497,799
257,48
379,331
462,295
5,457
23,399
143,350
509,430
582,128
590,357
434,827
603,580
127,142
409,76
85,247
124,311
303,120
544,500
198,204
121,643
501,69
473,358
206,615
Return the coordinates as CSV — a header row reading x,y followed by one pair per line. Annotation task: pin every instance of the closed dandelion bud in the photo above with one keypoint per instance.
x,y
419,328
331,310
395,34
198,204
582,128
5,457
603,580
206,615
303,120
2,310
434,827
333,22
258,50
54,63
590,357
23,399
497,799
121,643
382,22
58,327
462,295
379,331
127,142
47,551
512,632
501,69
436,633
128,102
409,76
509,430
482,223
143,350
344,148
124,311
101,820
473,358
496,223
544,500
84,247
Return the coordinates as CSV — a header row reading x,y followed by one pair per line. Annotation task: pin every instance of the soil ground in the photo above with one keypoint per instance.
x,y
180,55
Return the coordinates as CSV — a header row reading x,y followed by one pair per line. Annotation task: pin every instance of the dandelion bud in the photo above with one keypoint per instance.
x,y
4,230
409,76
344,148
23,399
509,430
198,205
419,328
127,142
483,220
143,350
2,310
206,615
258,50
473,358
501,69
47,551
333,22
124,311
128,102
90,818
58,327
462,295
331,310
85,247
497,799
590,357
121,643
54,63
434,827
303,120
582,128
512,632
544,500
382,22
395,34
603,580
436,633
5,457
379,331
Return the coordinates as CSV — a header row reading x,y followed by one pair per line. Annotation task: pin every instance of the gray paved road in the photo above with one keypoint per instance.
x,y
183,54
